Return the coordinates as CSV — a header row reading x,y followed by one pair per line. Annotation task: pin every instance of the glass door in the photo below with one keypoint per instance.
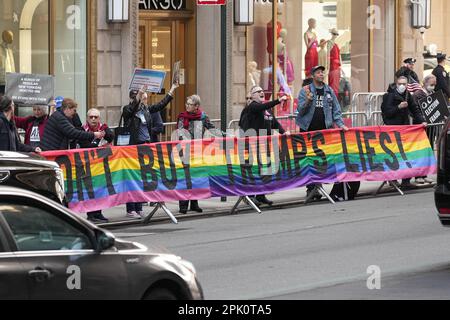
x,y
161,44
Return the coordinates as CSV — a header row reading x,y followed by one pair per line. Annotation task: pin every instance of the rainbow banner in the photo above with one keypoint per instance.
x,y
102,178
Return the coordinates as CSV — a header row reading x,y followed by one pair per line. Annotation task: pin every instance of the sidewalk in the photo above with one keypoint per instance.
x,y
214,207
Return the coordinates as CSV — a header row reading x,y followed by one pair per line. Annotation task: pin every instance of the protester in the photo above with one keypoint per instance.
x,y
137,117
442,76
398,104
157,127
257,116
60,131
429,87
93,124
9,138
318,109
192,120
33,125
407,71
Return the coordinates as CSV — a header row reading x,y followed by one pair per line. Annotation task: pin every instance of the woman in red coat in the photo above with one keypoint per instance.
x,y
33,125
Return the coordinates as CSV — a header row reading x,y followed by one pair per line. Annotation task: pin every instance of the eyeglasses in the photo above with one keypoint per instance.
x,y
190,104
94,117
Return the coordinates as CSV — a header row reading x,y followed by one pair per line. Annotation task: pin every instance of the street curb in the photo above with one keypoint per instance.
x,y
246,210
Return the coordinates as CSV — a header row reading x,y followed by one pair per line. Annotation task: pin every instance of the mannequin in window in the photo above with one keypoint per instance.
x,y
270,35
7,63
284,62
311,56
253,76
323,57
334,62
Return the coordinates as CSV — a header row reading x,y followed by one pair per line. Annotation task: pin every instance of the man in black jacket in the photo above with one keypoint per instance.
x,y
138,118
9,138
407,71
442,76
398,106
258,117
60,130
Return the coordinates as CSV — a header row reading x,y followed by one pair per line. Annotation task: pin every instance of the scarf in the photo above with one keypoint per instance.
x,y
100,127
187,117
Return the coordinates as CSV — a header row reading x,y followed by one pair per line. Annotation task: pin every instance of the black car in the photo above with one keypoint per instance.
x,y
48,252
442,191
32,172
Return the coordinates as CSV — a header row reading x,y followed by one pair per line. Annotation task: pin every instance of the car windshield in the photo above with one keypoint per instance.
x,y
37,230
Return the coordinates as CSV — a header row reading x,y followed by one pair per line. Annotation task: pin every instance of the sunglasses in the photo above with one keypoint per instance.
x,y
94,117
260,91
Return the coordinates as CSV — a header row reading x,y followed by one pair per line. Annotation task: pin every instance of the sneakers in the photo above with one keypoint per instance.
x,y
141,214
97,218
264,200
420,181
408,186
428,180
133,215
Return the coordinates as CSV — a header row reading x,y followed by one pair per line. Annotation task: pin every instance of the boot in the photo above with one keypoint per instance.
x,y
195,207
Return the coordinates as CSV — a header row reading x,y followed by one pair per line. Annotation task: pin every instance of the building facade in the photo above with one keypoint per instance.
x,y
93,60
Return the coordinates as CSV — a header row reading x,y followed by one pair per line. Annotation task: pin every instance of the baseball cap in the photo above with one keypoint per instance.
x,y
58,101
410,61
313,70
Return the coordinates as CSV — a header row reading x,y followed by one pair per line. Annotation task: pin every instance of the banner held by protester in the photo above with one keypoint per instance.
x,y
199,169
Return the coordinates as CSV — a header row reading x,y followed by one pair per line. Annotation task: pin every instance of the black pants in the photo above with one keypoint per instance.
x,y
184,205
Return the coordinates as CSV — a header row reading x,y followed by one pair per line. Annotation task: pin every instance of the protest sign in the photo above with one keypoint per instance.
x,y
30,89
176,73
434,107
153,79
102,178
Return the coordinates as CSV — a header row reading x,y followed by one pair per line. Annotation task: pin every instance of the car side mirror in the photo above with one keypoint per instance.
x,y
105,240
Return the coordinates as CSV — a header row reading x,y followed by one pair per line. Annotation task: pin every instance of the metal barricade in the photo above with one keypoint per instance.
x,y
375,101
360,102
171,127
376,119
356,119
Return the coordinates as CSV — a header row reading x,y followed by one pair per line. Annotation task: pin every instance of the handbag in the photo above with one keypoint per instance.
x,y
122,134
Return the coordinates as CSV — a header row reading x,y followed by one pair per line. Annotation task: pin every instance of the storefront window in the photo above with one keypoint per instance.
x,y
311,33
27,46
435,40
70,63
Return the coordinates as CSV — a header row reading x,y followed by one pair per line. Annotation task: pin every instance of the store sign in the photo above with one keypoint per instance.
x,y
330,11
31,89
267,1
162,4
211,2
434,108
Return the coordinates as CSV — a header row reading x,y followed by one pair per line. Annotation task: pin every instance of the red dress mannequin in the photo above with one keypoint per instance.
x,y
311,56
270,38
334,77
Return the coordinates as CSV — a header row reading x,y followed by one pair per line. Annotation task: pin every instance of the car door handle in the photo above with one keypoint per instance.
x,y
40,275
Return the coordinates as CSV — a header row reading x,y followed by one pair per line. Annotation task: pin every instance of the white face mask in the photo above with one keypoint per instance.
x,y
401,89
431,88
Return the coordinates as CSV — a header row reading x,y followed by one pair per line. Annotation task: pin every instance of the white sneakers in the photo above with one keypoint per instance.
x,y
135,215
424,181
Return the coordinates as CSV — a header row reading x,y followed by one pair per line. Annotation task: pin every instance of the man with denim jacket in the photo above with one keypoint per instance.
x,y
318,109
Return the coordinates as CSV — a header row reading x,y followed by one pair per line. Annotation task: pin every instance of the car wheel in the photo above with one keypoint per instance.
x,y
160,294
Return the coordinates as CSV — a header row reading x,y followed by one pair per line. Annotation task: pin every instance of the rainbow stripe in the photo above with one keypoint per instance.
x,y
97,179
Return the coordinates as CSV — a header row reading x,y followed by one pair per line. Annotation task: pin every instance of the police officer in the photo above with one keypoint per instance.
x,y
442,75
407,70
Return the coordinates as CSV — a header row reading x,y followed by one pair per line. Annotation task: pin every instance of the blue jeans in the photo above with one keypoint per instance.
x,y
134,206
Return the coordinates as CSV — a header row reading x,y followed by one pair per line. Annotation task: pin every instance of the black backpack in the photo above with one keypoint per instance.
x,y
244,121
338,194
383,107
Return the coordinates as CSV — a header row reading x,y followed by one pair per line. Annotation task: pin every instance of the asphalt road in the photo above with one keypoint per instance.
x,y
316,252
